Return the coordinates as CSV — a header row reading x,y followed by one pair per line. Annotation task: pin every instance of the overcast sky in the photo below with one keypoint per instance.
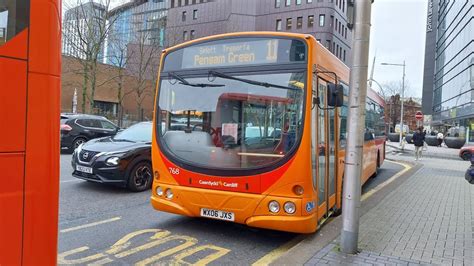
x,y
398,33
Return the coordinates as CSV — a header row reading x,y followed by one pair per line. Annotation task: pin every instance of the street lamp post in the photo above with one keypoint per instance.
x,y
401,98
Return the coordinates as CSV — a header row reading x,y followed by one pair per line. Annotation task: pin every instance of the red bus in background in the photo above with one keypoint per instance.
x,y
30,70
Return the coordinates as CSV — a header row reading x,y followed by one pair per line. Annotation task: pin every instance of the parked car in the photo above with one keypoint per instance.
x,y
123,159
470,172
76,129
466,152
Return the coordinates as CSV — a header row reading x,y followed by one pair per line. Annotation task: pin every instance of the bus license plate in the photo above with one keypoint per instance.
x,y
215,214
84,169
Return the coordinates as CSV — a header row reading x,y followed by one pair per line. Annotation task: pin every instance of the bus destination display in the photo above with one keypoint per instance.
x,y
234,53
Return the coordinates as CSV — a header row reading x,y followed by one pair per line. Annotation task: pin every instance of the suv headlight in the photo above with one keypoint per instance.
x,y
112,161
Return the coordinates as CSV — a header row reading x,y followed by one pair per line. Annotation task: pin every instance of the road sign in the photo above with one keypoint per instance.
x,y
419,115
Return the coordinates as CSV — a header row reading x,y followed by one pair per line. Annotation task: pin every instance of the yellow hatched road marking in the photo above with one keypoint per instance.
x,y
90,225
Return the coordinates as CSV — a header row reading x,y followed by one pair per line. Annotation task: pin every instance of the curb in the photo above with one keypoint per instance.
x,y
302,252
425,154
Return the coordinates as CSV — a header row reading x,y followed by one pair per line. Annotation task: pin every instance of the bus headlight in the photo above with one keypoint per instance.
x,y
169,193
274,206
112,161
289,207
159,191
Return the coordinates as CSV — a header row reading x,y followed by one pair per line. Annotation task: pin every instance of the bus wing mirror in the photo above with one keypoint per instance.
x,y
335,95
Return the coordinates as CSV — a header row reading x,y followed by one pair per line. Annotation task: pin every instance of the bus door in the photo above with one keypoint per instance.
x,y
324,167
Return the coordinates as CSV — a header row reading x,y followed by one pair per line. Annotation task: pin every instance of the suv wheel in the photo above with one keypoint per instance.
x,y
77,142
466,155
141,177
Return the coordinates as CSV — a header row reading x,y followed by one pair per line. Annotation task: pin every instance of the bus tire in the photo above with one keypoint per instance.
x,y
377,167
338,212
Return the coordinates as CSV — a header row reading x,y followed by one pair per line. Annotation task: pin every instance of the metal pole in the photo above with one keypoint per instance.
x,y
401,105
356,127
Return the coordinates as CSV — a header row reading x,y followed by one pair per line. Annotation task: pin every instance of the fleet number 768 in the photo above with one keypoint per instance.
x,y
174,170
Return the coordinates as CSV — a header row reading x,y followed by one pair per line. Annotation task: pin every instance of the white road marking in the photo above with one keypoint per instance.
x,y
70,180
90,225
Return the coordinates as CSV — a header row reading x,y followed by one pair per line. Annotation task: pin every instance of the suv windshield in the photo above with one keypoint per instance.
x,y
137,133
234,126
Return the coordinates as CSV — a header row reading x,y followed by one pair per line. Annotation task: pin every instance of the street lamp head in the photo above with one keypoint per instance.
x,y
391,64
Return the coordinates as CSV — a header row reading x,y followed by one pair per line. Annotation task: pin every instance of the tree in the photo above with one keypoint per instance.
x,y
84,31
120,56
391,92
144,64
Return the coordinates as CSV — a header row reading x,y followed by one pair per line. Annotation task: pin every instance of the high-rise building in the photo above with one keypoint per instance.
x,y
448,85
138,21
326,20
84,30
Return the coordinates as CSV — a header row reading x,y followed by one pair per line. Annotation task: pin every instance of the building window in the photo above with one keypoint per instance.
x,y
310,21
339,30
192,34
105,108
288,23
322,18
345,33
340,52
343,5
309,1
277,3
319,40
195,14
298,2
337,50
299,22
185,35
183,16
344,58
287,2
278,25
335,25
328,44
333,47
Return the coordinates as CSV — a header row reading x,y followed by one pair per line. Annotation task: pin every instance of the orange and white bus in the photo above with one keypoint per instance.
x,y
30,67
259,142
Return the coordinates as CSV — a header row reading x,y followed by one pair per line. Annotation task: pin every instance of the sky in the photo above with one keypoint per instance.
x,y
398,33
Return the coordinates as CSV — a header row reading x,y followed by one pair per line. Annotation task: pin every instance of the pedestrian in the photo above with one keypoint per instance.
x,y
418,140
440,137
425,145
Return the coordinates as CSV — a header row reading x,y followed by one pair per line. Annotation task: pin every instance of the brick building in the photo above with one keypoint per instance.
x,y
106,98
392,112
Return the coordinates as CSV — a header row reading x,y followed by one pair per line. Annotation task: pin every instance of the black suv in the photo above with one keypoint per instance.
x,y
79,128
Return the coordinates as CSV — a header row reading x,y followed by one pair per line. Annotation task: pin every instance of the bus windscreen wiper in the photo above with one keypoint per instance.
x,y
185,82
249,81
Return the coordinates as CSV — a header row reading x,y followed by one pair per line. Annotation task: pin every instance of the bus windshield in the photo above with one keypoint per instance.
x,y
243,122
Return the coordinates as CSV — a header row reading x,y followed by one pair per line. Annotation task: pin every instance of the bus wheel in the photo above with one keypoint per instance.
x,y
377,167
338,212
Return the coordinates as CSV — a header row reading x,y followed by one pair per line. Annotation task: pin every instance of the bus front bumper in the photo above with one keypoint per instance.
x,y
250,215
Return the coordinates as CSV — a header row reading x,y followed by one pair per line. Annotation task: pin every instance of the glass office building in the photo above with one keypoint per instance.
x,y
451,84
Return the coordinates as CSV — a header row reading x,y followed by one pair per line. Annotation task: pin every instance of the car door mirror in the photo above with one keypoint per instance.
x,y
335,95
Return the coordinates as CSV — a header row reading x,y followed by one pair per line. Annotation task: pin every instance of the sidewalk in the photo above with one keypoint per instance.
x,y
432,151
425,216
